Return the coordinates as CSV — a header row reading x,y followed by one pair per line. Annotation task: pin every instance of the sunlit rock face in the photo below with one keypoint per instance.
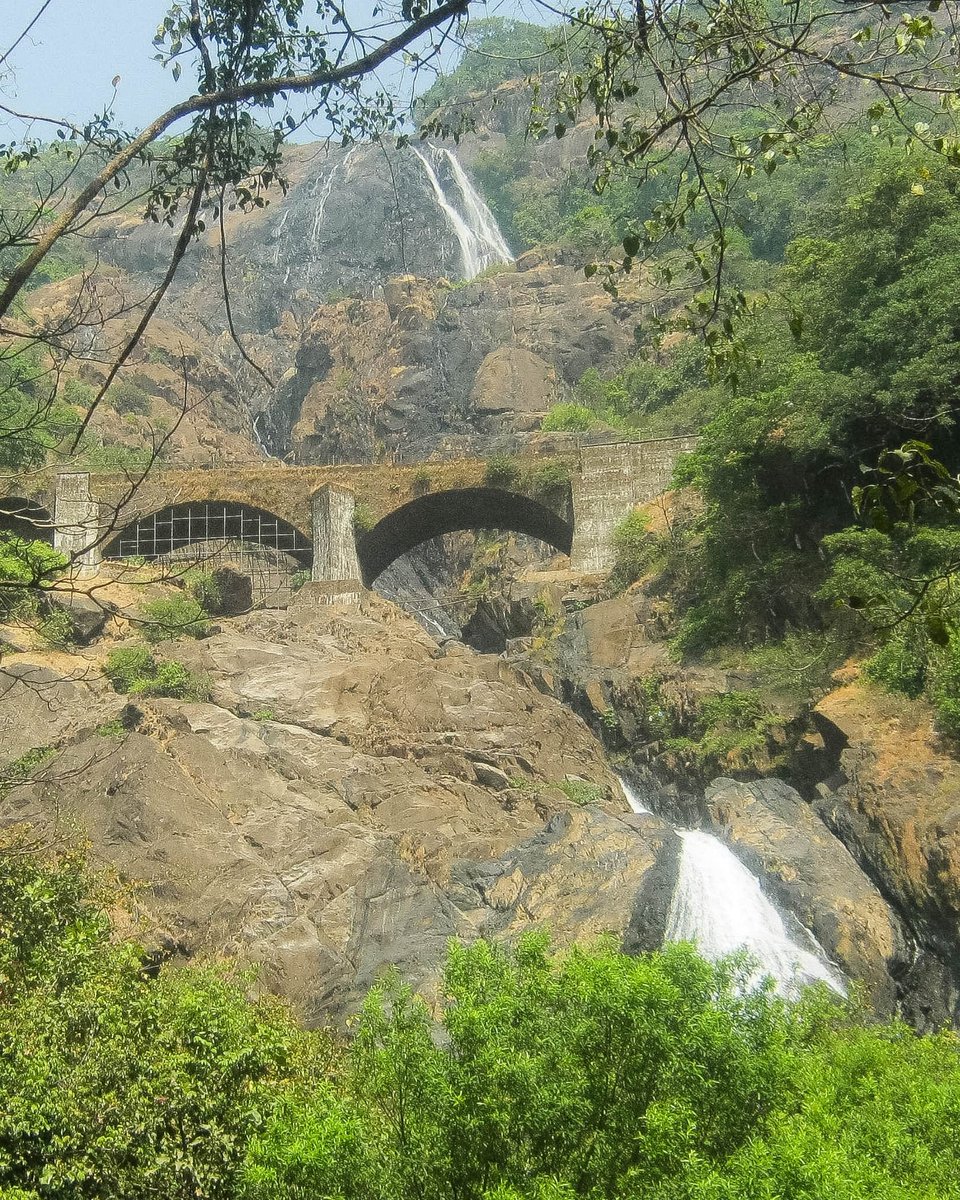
x,y
348,798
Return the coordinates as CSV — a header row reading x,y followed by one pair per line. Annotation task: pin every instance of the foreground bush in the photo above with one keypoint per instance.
x,y
593,1074
135,671
116,1079
172,617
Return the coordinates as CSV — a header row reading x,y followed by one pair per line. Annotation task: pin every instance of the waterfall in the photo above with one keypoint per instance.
x,y
481,242
633,797
326,187
719,904
479,216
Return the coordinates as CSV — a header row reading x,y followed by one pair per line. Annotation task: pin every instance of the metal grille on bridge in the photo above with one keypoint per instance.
x,y
165,531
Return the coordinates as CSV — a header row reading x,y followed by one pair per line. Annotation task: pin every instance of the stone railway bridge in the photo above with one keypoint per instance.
x,y
347,524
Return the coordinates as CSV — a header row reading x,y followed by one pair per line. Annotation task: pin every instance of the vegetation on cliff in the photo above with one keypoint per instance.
x,y
585,1075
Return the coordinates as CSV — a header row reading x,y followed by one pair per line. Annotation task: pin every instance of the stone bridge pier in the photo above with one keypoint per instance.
x,y
335,559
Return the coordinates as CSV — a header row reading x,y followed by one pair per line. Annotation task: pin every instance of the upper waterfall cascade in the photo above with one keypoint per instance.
x,y
481,243
720,905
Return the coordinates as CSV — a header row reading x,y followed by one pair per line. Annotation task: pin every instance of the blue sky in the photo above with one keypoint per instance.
x,y
64,67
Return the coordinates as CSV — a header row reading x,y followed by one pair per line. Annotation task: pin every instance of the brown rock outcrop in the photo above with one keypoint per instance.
x,y
896,804
321,814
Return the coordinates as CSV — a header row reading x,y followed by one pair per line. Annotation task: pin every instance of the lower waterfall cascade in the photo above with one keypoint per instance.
x,y
720,905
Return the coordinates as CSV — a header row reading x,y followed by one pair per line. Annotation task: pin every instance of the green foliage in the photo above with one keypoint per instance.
x,y
422,481
581,791
128,399
116,1080
634,547
726,731
501,470
299,578
497,49
172,617
133,670
549,480
589,1074
25,566
569,418
113,729
23,767
57,628
203,587
363,518
78,393
596,1074
122,459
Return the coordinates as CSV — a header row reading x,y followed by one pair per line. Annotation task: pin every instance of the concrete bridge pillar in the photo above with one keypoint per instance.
x,y
334,541
76,520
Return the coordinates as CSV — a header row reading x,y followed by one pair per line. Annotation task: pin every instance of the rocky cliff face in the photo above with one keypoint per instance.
x,y
378,301
351,796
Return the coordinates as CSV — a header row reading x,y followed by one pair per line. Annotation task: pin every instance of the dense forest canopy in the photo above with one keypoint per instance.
x,y
588,1074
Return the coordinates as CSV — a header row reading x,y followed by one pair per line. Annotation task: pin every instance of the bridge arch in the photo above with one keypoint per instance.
x,y
437,513
25,518
196,521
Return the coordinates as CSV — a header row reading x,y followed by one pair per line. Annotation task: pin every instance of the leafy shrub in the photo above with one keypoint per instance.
x,y
581,791
121,459
137,1081
57,628
729,731
299,578
126,398
549,480
945,687
23,767
172,617
569,418
363,518
422,481
633,547
134,671
501,470
203,587
900,665
78,393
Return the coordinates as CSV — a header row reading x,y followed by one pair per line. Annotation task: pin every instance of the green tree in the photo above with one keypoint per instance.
x,y
118,1077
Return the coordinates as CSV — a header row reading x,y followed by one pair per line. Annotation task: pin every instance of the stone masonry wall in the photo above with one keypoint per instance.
x,y
612,480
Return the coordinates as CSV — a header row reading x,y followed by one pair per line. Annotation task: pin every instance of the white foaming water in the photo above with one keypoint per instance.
x,y
480,241
633,796
479,216
720,905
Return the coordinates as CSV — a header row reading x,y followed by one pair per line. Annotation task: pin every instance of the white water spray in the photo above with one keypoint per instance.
x,y
633,797
479,216
721,906
481,242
